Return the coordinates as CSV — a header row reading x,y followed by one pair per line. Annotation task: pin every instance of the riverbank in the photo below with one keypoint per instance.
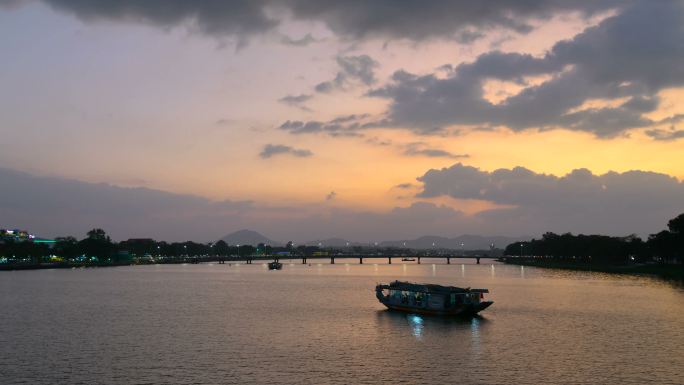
x,y
666,271
57,265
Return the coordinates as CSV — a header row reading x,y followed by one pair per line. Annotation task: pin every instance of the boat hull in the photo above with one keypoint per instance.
x,y
275,266
463,310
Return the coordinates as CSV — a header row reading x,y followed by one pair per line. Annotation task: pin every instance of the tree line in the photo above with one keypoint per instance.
x,y
664,246
97,247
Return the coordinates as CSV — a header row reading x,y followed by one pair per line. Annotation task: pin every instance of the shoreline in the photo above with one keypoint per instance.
x,y
670,272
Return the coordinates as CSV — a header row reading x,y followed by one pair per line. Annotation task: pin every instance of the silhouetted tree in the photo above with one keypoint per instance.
x,y
66,247
97,244
221,248
676,225
605,249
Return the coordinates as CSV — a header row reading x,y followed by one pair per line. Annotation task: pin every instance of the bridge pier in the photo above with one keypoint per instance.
x,y
360,260
303,260
390,260
448,260
332,260
478,260
419,260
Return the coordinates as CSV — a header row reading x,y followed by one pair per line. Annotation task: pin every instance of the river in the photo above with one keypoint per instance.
x,y
321,324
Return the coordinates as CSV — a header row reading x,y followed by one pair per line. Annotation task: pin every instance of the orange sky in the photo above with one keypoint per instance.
x,y
169,108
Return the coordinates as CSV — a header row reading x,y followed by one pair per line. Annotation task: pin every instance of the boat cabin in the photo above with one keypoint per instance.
x,y
429,296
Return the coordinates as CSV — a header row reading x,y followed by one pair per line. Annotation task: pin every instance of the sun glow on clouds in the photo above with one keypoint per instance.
x,y
138,112
497,91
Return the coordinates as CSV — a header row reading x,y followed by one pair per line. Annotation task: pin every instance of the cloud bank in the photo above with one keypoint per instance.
x,y
613,203
351,19
631,56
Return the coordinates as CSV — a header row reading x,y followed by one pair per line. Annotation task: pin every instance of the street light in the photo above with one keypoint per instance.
x,y
521,247
238,250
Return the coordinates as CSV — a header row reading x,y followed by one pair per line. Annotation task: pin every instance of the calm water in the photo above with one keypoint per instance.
x,y
321,324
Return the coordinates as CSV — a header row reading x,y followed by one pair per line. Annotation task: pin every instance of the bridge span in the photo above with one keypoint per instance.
x,y
404,258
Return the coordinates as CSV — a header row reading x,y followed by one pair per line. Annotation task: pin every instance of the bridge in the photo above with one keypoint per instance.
x,y
248,259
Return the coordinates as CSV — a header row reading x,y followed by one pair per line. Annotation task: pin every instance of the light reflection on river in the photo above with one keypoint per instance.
x,y
321,324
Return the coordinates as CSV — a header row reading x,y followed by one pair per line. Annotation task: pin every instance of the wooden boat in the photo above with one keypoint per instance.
x,y
275,265
408,259
432,299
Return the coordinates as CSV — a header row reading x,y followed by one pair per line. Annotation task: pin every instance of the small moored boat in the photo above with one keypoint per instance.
x,y
408,259
432,299
275,265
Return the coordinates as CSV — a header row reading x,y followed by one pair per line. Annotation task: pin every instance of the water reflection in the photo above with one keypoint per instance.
x,y
420,325
416,322
475,333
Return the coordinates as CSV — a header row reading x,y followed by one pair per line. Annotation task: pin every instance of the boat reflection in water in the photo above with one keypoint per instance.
x,y
416,322
427,327
432,299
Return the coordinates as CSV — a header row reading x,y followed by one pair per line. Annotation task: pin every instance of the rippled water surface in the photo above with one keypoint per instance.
x,y
321,324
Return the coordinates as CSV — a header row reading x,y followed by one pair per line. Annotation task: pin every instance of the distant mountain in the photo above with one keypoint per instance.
x,y
470,242
248,237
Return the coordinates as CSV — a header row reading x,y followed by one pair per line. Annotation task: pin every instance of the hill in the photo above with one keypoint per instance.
x,y
248,237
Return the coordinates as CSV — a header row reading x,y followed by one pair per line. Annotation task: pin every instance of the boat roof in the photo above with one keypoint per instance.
x,y
429,288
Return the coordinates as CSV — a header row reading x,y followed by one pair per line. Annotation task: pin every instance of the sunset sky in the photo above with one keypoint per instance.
x,y
369,120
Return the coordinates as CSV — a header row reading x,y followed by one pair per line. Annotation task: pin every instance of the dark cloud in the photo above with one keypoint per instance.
x,y
676,118
405,186
349,118
299,127
346,125
296,101
418,20
633,201
224,122
420,149
634,54
665,135
237,18
469,36
271,150
301,42
355,19
379,142
352,69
